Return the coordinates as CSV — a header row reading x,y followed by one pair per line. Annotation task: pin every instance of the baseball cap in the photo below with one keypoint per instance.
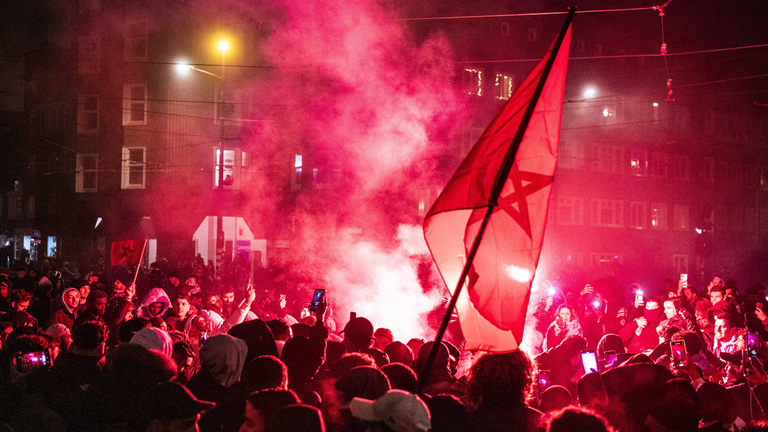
x,y
358,329
170,400
385,332
399,410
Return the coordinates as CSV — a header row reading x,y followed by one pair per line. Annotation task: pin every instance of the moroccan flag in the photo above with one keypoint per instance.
x,y
503,185
127,251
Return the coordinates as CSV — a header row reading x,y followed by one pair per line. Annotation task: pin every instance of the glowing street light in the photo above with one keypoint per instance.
x,y
590,92
223,46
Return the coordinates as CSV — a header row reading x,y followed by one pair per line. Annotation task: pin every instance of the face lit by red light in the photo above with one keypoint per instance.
x,y
227,299
155,308
669,309
72,299
722,329
85,290
565,315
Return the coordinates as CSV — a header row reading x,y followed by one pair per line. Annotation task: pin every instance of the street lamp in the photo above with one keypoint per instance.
x,y
184,69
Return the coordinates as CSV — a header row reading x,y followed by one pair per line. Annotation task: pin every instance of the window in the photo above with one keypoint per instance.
x,y
680,214
134,104
88,52
680,263
637,215
764,219
54,204
659,165
135,47
87,114
570,211
87,177
608,213
505,85
134,172
473,81
15,204
234,161
680,167
31,207
298,166
570,155
721,218
51,249
736,219
639,162
609,159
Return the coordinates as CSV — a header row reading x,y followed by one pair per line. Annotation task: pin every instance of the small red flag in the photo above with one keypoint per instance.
x,y
127,251
493,306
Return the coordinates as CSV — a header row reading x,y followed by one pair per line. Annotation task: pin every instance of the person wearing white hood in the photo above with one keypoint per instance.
x,y
155,304
70,302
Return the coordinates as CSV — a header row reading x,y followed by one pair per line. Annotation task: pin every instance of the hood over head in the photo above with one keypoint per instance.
x,y
223,356
153,296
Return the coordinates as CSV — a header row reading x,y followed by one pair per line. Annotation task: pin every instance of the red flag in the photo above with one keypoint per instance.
x,y
509,172
127,251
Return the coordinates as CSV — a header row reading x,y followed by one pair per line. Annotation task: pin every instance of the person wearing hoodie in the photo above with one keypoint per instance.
x,y
67,314
222,358
155,304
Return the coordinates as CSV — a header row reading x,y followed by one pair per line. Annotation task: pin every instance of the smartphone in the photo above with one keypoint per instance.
x,y
684,279
610,357
679,353
33,360
753,341
545,381
746,363
317,297
589,361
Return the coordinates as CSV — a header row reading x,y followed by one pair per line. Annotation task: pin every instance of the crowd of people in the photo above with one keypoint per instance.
x,y
180,348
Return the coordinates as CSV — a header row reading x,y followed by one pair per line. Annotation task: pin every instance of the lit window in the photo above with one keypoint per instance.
x,y
87,114
234,162
639,162
504,86
658,216
298,166
134,104
87,176
134,173
88,52
474,81
52,247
